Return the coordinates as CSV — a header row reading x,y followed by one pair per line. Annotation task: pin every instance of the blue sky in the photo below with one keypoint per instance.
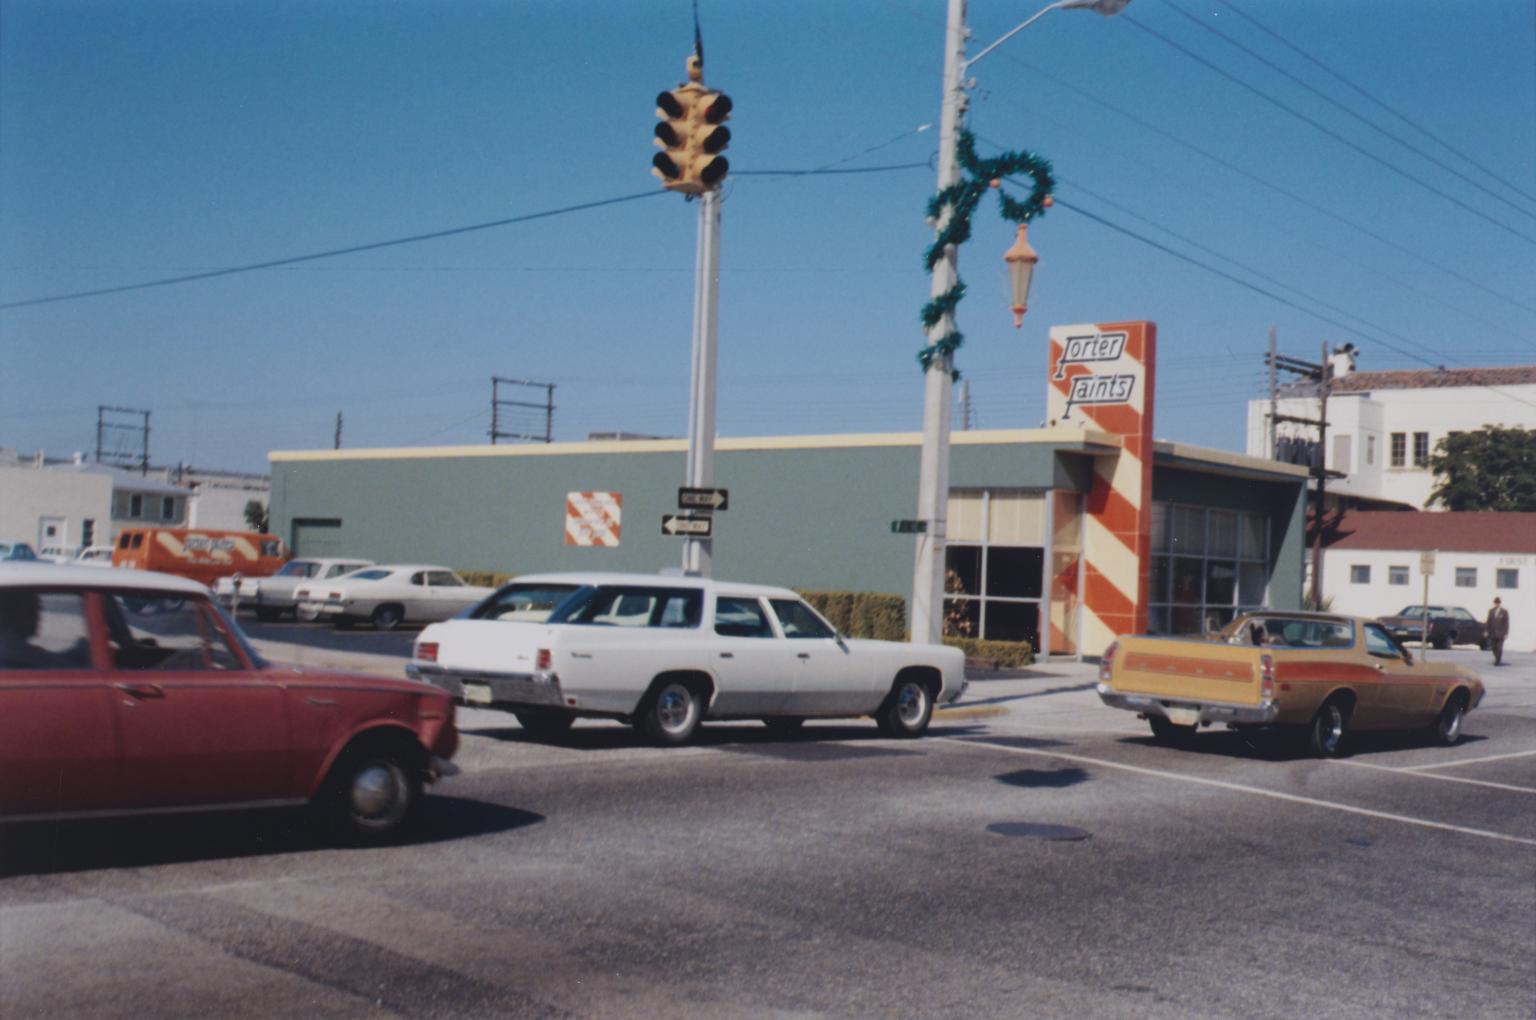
x,y
153,139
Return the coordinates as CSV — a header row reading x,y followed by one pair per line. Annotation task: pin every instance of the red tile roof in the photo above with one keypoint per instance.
x,y
1513,375
1481,531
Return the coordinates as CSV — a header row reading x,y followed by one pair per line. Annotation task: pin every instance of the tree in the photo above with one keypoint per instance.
x,y
1493,468
257,516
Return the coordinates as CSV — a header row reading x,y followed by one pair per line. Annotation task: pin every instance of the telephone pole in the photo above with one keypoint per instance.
x,y
1320,373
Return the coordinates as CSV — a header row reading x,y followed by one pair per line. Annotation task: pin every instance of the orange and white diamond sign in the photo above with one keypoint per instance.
x,y
592,518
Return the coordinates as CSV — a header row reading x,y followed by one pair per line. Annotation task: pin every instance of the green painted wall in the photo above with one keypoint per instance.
x,y
812,518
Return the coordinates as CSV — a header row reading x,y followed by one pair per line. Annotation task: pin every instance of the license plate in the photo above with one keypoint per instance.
x,y
477,694
1184,716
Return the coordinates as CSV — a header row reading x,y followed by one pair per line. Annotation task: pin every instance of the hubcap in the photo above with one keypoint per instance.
x,y
910,703
674,708
376,791
1333,721
1452,725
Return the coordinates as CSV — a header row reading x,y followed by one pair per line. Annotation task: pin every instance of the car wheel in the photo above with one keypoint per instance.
x,y
784,725
266,614
387,617
1325,734
906,711
1482,645
671,714
1166,731
1442,641
545,725
371,796
1447,728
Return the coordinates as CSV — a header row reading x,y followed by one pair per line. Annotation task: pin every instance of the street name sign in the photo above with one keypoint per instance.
x,y
703,499
684,524
908,527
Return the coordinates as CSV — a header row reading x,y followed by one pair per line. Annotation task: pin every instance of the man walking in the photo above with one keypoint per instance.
x,y
1498,629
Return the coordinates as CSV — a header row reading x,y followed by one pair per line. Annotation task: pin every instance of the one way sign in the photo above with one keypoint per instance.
x,y
704,499
683,524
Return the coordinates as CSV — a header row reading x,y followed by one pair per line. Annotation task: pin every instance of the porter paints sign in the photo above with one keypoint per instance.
x,y
1092,367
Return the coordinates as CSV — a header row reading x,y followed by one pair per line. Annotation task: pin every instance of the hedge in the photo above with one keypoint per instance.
x,y
485,578
862,614
999,654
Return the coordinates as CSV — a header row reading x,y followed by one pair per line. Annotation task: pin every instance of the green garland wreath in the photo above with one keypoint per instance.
x,y
961,199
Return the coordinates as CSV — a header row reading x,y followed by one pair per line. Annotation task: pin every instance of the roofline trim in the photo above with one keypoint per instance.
x,y
979,437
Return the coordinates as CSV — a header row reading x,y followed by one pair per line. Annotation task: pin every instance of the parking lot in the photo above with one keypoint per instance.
x,y
1036,855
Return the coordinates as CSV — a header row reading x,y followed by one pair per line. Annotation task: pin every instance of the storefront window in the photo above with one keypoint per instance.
x,y
995,565
1207,566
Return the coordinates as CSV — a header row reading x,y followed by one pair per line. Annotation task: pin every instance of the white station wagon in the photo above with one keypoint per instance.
x,y
388,595
665,653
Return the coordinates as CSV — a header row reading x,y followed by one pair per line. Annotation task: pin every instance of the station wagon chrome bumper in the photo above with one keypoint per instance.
x,y
1190,712
472,687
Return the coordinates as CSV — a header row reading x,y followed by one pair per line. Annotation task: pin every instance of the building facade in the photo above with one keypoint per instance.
x,y
1383,426
1025,523
1375,565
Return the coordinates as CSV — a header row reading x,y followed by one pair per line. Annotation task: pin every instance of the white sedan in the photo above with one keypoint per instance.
x,y
389,595
665,653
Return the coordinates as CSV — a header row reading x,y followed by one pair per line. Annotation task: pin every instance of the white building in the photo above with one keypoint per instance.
x,y
1382,426
71,504
1372,566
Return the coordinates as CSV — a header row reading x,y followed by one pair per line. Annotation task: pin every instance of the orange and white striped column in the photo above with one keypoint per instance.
x,y
1102,377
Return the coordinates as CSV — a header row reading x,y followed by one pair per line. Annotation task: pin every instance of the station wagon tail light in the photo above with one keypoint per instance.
x,y
426,651
542,660
1267,677
1107,664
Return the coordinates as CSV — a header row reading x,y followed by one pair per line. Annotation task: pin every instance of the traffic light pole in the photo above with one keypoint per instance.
x,y
933,468
697,552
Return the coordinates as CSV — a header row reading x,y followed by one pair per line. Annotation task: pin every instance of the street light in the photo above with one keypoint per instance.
x,y
1021,259
933,469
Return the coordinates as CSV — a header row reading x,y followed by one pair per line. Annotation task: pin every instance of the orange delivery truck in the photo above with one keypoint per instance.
x,y
200,554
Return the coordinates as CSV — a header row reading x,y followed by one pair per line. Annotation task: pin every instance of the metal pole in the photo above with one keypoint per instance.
x,y
1324,382
933,468
1274,399
697,552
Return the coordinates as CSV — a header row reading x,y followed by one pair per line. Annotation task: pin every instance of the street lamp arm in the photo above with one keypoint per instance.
x,y
1104,7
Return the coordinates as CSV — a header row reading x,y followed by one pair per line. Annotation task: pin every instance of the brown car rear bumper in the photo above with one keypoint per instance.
x,y
1206,712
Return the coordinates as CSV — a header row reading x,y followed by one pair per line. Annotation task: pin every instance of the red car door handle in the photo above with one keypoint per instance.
x,y
142,691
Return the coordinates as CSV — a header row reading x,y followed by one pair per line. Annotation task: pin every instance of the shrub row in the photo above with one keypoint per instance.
x,y
485,578
998,654
862,614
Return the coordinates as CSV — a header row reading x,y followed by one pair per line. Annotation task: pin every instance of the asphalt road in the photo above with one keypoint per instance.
x,y
1035,856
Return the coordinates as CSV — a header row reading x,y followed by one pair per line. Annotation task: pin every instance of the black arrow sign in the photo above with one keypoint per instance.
x,y
692,527
704,499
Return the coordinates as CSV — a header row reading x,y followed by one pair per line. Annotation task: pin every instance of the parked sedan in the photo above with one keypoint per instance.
x,y
387,596
276,596
17,551
1448,625
129,691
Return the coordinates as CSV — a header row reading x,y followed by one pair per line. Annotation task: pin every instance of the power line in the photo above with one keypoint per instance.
x,y
352,250
1234,79
1339,77
1278,189
1273,297
1340,106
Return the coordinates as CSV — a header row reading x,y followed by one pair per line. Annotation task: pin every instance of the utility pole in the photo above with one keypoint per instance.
x,y
1322,374
337,443
1274,394
933,467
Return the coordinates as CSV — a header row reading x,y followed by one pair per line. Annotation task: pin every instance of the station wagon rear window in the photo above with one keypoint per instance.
x,y
631,606
368,575
529,602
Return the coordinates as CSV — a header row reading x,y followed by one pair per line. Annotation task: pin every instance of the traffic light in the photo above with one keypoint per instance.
x,y
691,135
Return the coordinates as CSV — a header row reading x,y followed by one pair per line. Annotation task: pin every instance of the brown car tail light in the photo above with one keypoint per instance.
x,y
542,660
426,651
1107,664
1267,677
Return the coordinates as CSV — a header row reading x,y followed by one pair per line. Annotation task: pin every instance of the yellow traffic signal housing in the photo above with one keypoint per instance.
x,y
691,135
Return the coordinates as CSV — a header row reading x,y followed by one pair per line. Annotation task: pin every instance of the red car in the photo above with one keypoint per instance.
x,y
129,691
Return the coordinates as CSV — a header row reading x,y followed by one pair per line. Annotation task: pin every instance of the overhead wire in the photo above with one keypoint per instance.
x,y
1256,23
1329,132
1411,147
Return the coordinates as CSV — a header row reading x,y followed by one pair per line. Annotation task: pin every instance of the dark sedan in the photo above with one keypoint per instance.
x,y
1448,625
